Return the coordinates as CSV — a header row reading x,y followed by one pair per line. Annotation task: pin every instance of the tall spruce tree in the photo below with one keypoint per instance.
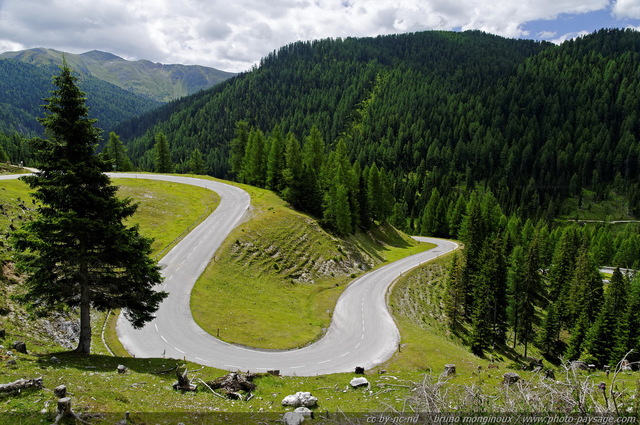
x,y
162,161
116,153
455,294
628,337
600,341
530,288
196,162
515,279
77,252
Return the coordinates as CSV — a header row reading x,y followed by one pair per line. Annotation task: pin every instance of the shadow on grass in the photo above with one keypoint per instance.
x,y
104,363
376,241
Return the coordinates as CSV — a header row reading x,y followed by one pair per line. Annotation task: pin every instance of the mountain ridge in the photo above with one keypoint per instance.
x,y
159,82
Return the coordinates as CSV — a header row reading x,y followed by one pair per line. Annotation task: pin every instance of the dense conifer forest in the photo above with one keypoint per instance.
x,y
496,142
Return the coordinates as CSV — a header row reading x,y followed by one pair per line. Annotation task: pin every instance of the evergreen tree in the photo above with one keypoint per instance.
x,y
585,296
162,162
516,276
530,290
432,222
562,270
3,155
276,161
374,194
600,341
455,294
337,210
237,147
116,154
254,165
312,164
313,152
455,215
488,317
292,174
77,252
196,162
577,336
549,339
628,337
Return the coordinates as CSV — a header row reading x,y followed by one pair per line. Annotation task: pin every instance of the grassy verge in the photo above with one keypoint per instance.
x,y
416,302
167,211
11,169
275,281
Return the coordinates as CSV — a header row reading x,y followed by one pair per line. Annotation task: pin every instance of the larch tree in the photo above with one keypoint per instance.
x,y
77,252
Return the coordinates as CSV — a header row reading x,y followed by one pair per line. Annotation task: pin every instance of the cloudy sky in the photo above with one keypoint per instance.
x,y
233,35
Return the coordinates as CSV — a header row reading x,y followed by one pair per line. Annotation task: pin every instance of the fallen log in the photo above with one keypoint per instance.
x,y
21,384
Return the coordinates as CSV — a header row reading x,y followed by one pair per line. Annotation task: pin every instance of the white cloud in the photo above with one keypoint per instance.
x,y
569,36
627,9
233,35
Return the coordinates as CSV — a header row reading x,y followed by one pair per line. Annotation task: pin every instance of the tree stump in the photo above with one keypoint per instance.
x,y
64,408
122,369
60,391
550,374
183,384
359,370
449,369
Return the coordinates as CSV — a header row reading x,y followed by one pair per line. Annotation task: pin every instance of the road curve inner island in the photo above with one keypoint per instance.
x,y
362,331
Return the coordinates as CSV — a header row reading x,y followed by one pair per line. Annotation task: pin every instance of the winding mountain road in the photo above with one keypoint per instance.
x,y
362,332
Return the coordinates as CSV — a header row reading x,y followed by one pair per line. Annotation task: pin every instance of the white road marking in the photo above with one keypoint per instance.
x,y
180,350
348,352
296,367
326,361
164,339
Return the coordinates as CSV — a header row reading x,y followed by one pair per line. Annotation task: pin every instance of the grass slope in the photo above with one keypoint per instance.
x,y
158,215
276,279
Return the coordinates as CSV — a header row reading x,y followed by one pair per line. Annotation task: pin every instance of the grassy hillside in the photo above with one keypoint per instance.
x,y
275,280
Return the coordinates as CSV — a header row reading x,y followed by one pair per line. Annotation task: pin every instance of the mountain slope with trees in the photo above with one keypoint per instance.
x,y
23,88
535,122
156,81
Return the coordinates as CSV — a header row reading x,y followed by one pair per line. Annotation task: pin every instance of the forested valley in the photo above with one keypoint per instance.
x,y
506,145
